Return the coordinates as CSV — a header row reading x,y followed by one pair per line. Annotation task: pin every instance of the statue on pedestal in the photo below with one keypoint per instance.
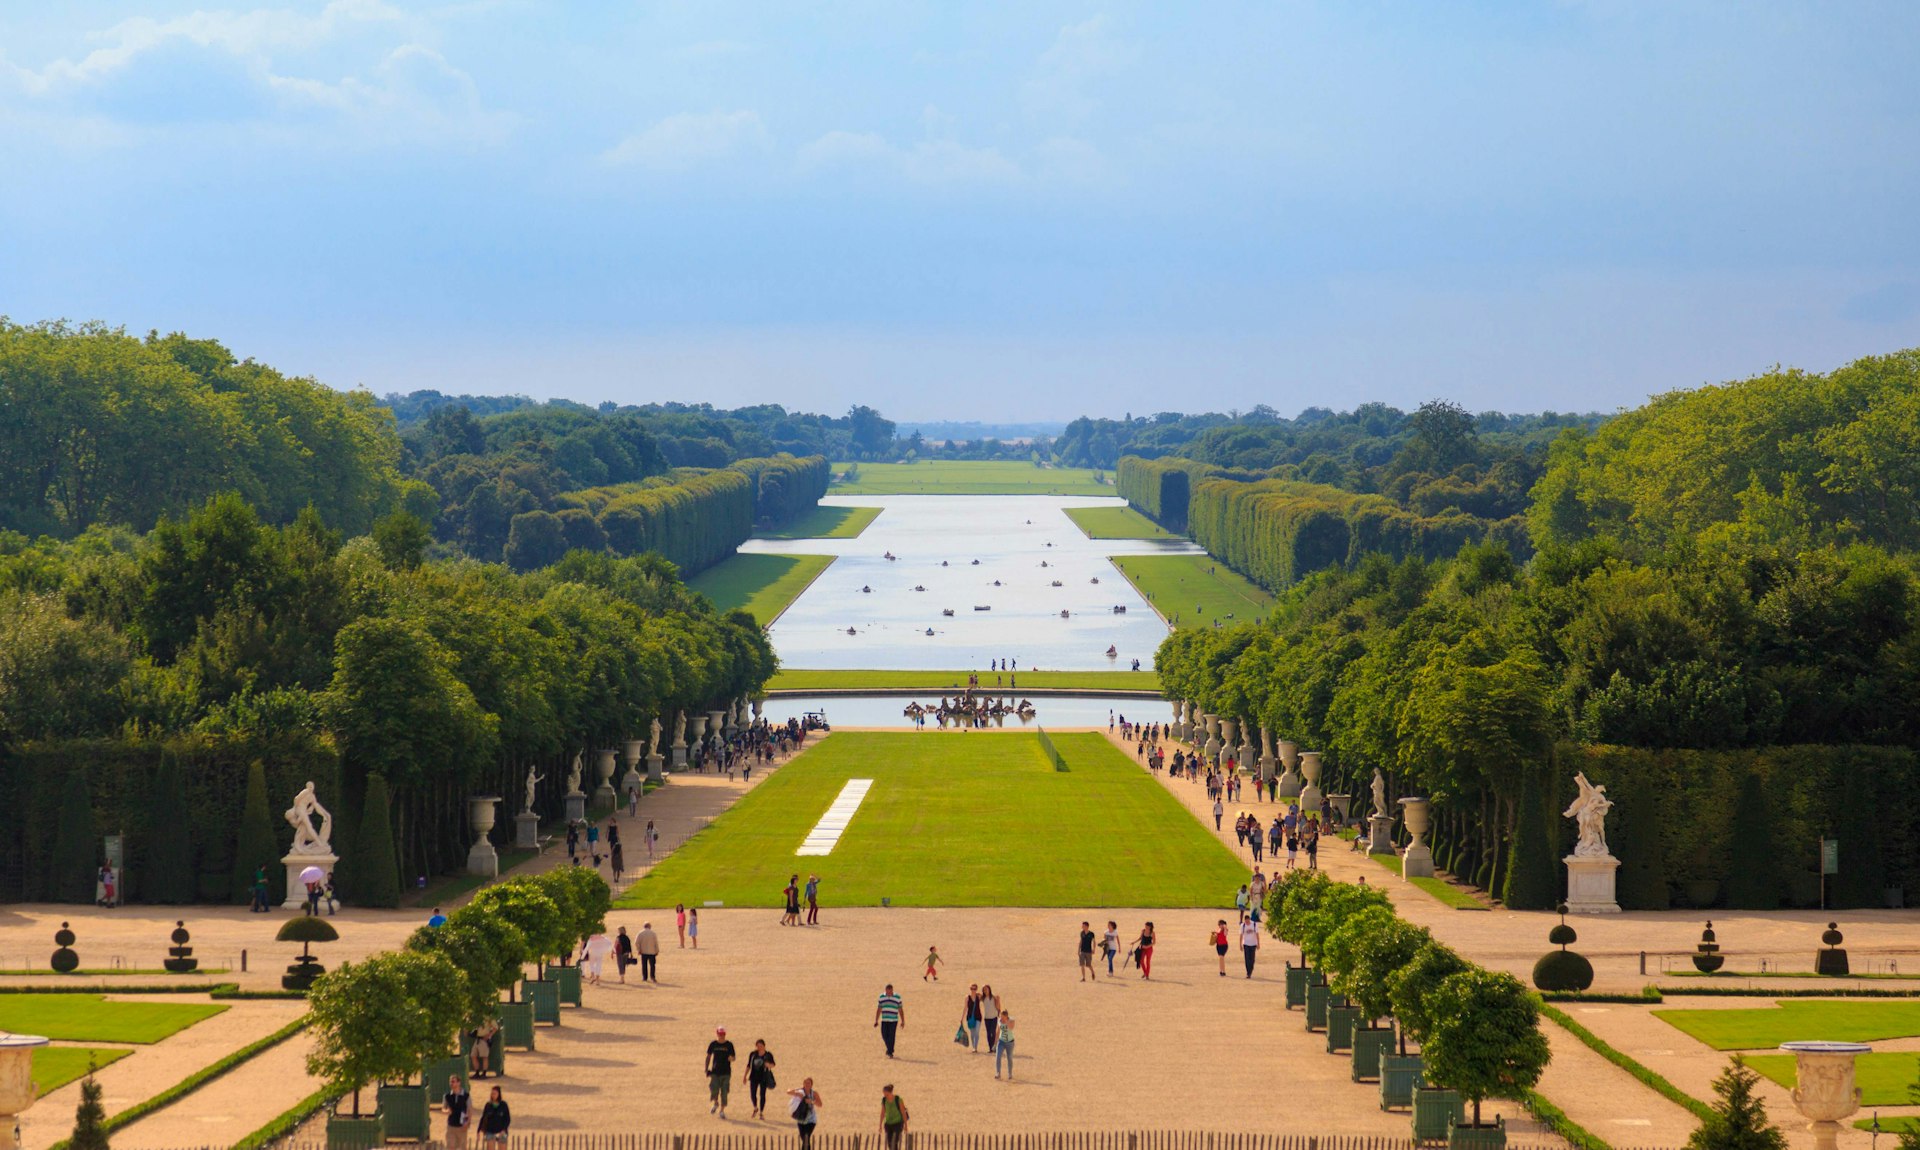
x,y
306,808
653,737
532,780
1379,792
573,776
679,728
1589,813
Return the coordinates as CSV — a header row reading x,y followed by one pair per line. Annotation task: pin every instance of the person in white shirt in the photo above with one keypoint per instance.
x,y
1249,942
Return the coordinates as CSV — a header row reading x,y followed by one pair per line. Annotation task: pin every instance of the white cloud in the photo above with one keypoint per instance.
x,y
1081,55
936,159
689,139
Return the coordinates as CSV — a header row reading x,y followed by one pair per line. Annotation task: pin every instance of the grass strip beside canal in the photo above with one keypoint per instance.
x,y
804,680
764,585
1116,523
1194,590
826,523
966,477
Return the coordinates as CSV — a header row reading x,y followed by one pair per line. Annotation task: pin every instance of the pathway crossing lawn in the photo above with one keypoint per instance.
x,y
804,680
55,1066
826,523
91,1018
763,584
1797,1018
967,477
974,818
1884,1078
1116,523
1194,590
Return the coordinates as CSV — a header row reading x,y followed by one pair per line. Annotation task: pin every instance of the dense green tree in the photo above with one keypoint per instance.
x,y
374,1021
1739,1119
170,876
1483,1037
403,540
376,872
535,539
255,846
76,850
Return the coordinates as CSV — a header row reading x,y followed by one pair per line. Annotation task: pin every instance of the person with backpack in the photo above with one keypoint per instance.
x,y
804,1106
893,1116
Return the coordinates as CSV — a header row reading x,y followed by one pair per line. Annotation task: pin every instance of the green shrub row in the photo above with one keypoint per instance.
x,y
785,486
1160,488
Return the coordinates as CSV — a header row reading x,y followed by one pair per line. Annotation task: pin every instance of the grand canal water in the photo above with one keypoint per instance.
x,y
982,540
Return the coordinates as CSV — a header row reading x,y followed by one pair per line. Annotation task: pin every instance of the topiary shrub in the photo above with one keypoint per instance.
x,y
255,848
1562,969
65,960
305,930
1533,878
376,873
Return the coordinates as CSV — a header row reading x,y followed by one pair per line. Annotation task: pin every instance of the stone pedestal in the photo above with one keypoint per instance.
x,y
526,831
1417,862
576,807
482,859
603,764
1590,884
632,781
1211,748
1380,834
679,756
654,764
16,1083
297,890
1825,1092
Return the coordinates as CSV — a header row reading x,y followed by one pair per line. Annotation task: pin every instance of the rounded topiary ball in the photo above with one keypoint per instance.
x,y
1562,935
1562,970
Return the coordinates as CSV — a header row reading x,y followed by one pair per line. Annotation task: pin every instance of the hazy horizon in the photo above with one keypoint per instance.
x,y
950,213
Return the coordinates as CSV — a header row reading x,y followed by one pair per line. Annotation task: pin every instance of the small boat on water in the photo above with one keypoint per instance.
x,y
851,631
1065,614
1095,579
996,582
864,590
929,630
943,563
1056,583
977,607
1121,610
1113,652
918,587
1043,563
948,612
889,555
976,563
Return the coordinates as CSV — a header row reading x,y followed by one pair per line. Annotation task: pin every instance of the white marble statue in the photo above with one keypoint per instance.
x,y
532,781
1379,792
653,738
573,775
1589,813
306,839
679,728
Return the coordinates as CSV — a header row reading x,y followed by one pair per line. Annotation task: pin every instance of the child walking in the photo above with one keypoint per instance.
x,y
933,960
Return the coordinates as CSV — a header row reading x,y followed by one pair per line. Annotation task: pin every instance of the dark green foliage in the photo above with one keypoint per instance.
x,y
1739,1120
255,847
1633,833
1562,970
89,1118
376,873
1483,1037
1533,874
1751,882
169,874
535,539
1863,869
76,851
403,540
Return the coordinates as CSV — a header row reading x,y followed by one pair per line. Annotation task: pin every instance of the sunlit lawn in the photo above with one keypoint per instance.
x,y
825,522
1194,590
55,1066
968,477
1116,523
91,1018
1768,1027
1885,1078
763,584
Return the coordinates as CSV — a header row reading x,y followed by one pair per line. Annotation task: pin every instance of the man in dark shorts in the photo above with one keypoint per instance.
x,y
719,1070
1086,953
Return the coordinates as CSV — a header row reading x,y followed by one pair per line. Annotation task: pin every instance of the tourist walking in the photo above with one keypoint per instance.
x,y
889,1014
759,1076
804,1106
1219,940
1005,1048
680,922
973,1017
933,961
496,1118
693,927
1086,952
458,1105
792,896
1143,951
259,892
648,944
622,953
719,1071
652,836
1249,944
813,900
619,855
1218,811
990,1016
893,1116
1310,842
1110,944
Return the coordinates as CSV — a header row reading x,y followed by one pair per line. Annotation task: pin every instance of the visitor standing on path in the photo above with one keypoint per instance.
x,y
652,836
459,1108
1218,811
1005,1049
759,1076
933,961
680,922
1143,951
792,896
1086,952
1249,944
805,1109
693,927
813,900
1310,841
1219,940
893,1116
973,1017
622,953
889,1014
496,1119
719,1071
648,944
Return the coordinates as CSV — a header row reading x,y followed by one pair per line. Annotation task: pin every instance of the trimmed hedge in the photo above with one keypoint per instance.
x,y
785,486
1160,488
693,518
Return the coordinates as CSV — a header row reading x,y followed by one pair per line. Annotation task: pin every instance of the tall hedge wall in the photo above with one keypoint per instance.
x,y
122,781
695,518
1857,794
1160,488
785,486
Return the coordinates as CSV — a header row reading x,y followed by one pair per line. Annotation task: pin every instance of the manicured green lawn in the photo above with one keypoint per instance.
x,y
91,1018
55,1066
1797,1018
1884,1078
763,584
1439,888
1116,523
803,680
957,819
1194,590
826,523
968,477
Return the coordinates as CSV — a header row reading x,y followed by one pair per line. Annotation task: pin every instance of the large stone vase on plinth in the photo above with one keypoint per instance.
x,y
1824,1089
696,733
1590,881
1226,741
1311,800
1249,755
1289,776
482,859
16,1083
633,750
1417,860
1183,720
603,764
1211,748
716,723
1269,762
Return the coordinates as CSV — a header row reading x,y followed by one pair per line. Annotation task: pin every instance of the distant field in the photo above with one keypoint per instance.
x,y
1194,590
55,1066
803,680
91,1018
988,477
763,584
957,819
1116,523
826,523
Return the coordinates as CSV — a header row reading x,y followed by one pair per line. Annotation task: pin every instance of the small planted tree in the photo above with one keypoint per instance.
x,y
1340,902
527,909
1341,953
1484,1037
305,930
489,950
89,1118
377,1020
584,898
1412,987
1380,949
1739,1120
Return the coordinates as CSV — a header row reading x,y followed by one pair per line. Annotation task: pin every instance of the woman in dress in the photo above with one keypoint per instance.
x,y
759,1076
622,953
680,922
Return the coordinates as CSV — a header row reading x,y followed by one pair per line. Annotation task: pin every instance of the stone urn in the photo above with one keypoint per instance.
x,y
1211,748
696,729
1289,755
756,709
1310,798
603,767
1825,1091
1226,736
482,859
1417,860
634,751
1185,725
717,722
16,1083
1249,753
1269,764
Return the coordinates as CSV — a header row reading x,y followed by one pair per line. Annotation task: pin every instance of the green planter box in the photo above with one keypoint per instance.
x,y
1341,1021
1434,1113
404,1109
1369,1043
435,1074
545,998
1492,1137
569,979
516,1025
1297,977
1317,994
363,1133
1399,1078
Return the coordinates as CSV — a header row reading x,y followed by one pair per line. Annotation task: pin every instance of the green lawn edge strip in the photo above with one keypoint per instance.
x,y
1648,996
198,1078
287,1122
98,973
1445,892
1625,1062
1784,974
1557,1121
212,990
1790,992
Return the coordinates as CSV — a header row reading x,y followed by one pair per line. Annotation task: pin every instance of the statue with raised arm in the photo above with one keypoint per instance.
x,y
653,737
308,840
1589,813
532,781
1379,792
573,775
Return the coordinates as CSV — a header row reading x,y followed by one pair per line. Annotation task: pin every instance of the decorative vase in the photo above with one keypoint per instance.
x,y
1417,860
1824,1090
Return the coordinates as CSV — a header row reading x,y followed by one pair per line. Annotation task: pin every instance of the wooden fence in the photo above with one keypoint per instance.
x,y
872,1140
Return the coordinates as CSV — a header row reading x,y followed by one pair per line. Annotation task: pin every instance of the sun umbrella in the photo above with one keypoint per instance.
x,y
313,874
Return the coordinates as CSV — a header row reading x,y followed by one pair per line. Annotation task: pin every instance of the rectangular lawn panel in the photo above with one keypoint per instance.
x,y
826,523
762,584
1116,523
1797,1018
967,477
973,818
91,1018
1884,1077
842,680
1194,590
55,1066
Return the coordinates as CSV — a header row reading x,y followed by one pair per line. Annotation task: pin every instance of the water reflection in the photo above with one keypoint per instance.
x,y
889,710
990,560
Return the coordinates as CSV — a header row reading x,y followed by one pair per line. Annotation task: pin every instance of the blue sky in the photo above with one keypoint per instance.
x,y
988,211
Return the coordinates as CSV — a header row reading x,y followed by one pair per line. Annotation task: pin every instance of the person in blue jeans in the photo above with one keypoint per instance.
x,y
1111,943
1004,1047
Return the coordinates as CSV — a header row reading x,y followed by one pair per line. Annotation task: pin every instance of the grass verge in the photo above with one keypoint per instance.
x,y
1764,1029
452,888
1647,1077
287,1122
1194,590
162,971
1116,523
804,680
967,477
762,585
1441,889
826,523
1884,1077
55,1066
1556,1120
1777,992
91,1018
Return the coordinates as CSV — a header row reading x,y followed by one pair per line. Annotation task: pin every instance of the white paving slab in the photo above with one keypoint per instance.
x,y
826,833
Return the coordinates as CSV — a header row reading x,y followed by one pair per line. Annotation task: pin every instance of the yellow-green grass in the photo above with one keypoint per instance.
x,y
1885,1078
1790,1019
957,819
967,477
91,1018
1116,523
1194,590
55,1066
1441,889
764,585
826,523
1888,1125
805,680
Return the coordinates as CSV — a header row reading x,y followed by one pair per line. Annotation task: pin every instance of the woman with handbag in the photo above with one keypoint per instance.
x,y
973,1017
804,1105
759,1076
